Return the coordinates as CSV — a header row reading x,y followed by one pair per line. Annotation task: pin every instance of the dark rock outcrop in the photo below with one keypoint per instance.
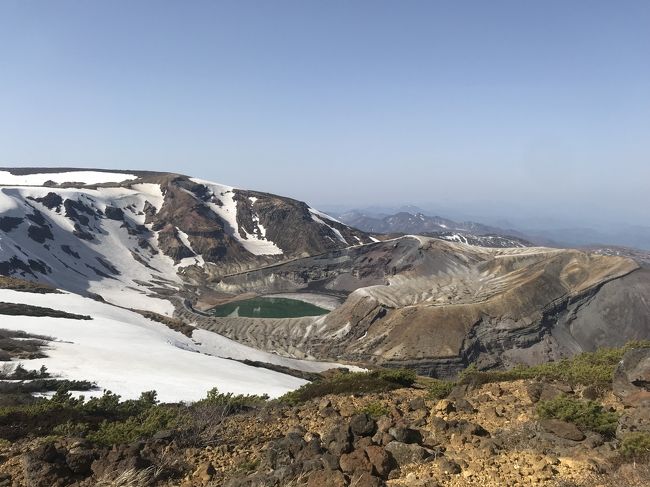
x,y
632,378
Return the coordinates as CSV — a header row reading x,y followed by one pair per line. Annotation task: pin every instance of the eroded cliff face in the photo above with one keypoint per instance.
x,y
437,306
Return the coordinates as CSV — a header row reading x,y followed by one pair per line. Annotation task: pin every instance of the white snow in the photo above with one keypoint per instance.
x,y
325,215
215,344
112,243
315,214
257,245
86,177
123,352
197,259
324,301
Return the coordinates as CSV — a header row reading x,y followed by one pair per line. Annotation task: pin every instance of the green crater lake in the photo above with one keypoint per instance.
x,y
268,308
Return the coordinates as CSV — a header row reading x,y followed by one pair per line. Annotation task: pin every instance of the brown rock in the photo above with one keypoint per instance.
x,y
357,460
445,406
405,435
541,391
380,460
563,429
362,425
404,453
417,403
329,478
205,472
364,479
383,424
338,440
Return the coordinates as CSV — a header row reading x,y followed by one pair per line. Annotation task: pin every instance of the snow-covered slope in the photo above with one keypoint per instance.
x,y
126,353
136,239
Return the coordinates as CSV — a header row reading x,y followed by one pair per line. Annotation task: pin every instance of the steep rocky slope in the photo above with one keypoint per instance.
x,y
485,430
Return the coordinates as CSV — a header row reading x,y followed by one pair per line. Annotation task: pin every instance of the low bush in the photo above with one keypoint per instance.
x,y
232,403
589,368
144,425
440,389
588,415
350,383
12,371
101,419
636,446
375,409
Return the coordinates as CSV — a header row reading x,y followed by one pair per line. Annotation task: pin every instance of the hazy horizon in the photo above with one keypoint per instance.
x,y
510,110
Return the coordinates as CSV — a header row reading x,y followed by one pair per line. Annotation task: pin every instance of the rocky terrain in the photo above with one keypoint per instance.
x,y
583,424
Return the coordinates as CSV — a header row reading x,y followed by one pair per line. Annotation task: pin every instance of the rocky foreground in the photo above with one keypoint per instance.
x,y
498,433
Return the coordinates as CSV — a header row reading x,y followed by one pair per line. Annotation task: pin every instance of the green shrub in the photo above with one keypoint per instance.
x,y
375,409
636,446
144,425
248,466
587,415
403,377
71,429
344,382
589,368
110,405
440,389
101,418
230,402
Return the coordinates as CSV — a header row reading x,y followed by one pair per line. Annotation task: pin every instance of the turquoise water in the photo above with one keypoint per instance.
x,y
268,308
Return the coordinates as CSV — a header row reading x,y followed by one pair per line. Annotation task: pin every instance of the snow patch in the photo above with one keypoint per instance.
x,y
255,244
126,353
316,217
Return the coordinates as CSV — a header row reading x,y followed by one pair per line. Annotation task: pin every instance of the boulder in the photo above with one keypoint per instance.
x,y
357,460
463,405
445,406
541,391
45,466
364,479
562,429
417,403
338,440
329,478
380,460
405,435
405,453
362,425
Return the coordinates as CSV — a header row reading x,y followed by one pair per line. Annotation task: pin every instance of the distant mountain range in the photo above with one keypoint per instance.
x,y
406,223
411,219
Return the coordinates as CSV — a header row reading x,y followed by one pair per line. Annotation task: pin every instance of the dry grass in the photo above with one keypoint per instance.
x,y
130,478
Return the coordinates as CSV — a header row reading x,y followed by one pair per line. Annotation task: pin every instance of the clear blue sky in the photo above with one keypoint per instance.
x,y
522,106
